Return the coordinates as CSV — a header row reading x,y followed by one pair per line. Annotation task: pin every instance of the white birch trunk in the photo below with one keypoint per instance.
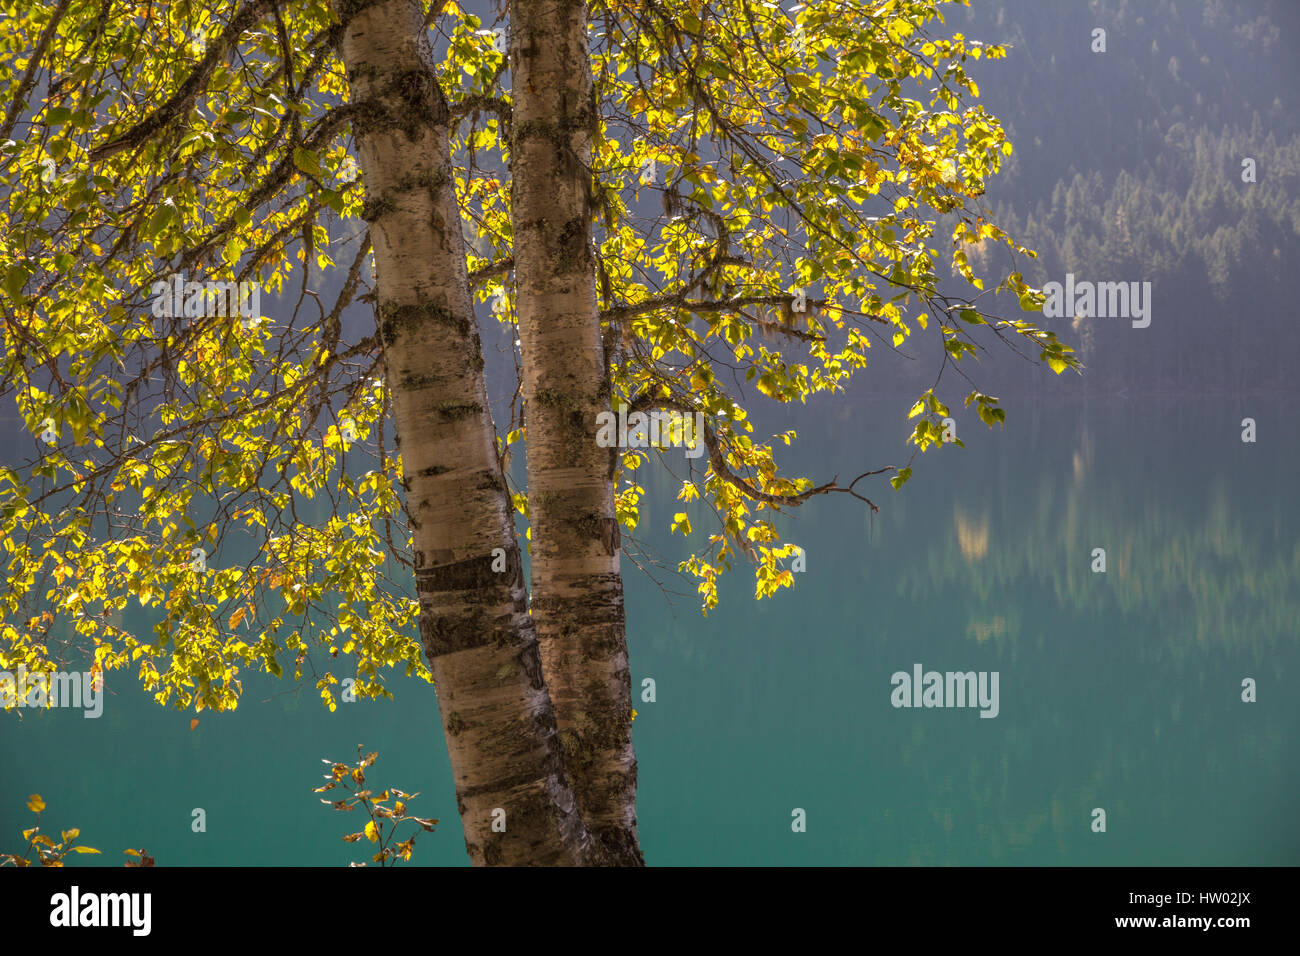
x,y
577,587
476,630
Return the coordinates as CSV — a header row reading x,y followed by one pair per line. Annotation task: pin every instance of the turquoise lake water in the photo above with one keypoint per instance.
x,y
1119,690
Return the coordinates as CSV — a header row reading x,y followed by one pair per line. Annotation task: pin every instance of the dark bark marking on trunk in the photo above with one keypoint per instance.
x,y
448,634
432,471
394,319
472,573
610,536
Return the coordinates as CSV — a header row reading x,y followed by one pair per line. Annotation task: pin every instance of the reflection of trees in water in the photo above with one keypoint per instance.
x,y
1196,562
1205,581
981,806
972,534
1030,798
1148,728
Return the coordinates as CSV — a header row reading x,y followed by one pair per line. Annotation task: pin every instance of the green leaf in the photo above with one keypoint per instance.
x,y
16,277
162,217
233,249
307,161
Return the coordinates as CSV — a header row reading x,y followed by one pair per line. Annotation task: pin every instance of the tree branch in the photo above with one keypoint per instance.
x,y
189,91
29,78
480,103
718,461
491,270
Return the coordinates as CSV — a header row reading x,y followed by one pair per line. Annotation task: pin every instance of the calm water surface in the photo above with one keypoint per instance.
x,y
1119,691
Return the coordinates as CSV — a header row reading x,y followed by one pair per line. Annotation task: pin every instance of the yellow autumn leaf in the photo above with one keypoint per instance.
x,y
35,803
372,832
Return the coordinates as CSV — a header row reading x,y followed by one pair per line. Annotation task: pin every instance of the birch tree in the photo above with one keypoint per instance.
x,y
680,207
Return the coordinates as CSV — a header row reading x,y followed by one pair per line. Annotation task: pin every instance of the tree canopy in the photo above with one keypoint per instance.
x,y
776,193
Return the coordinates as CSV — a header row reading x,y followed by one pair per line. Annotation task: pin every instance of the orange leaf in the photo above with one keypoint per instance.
x,y
194,723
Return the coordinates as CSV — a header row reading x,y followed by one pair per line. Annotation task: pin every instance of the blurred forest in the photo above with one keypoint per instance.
x,y
1140,179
